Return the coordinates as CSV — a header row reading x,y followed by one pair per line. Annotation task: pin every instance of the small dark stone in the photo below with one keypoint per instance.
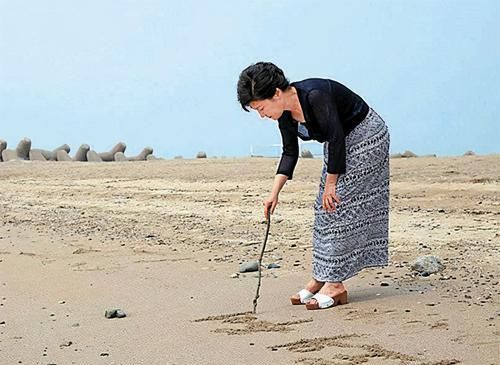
x,y
384,283
66,344
114,313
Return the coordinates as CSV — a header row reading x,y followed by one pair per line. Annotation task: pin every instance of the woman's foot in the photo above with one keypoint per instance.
x,y
329,289
313,286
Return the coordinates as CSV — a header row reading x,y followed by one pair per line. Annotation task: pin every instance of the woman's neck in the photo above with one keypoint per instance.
x,y
292,101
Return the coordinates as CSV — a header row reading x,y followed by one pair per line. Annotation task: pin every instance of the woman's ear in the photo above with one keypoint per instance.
x,y
278,93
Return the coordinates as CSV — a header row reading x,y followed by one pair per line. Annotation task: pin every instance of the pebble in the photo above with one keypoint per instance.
x,y
114,313
427,265
249,266
384,283
273,266
234,276
66,344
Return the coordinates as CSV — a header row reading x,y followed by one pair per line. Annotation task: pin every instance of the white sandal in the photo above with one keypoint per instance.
x,y
324,301
304,295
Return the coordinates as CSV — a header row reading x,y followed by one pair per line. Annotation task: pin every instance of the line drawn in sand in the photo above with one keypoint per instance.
x,y
366,352
251,323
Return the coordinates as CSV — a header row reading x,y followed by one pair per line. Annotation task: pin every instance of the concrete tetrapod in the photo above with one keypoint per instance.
x,y
9,155
143,155
52,155
3,146
93,156
81,154
36,155
120,157
23,148
408,154
109,156
306,154
21,152
62,155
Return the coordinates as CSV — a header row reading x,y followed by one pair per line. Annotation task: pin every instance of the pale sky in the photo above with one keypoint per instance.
x,y
164,73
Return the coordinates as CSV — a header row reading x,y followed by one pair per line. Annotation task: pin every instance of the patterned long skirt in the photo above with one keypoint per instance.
x,y
356,235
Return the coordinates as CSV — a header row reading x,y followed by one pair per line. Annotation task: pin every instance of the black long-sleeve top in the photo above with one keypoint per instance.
x,y
331,112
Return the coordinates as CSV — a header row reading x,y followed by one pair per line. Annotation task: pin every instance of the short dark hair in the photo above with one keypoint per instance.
x,y
259,81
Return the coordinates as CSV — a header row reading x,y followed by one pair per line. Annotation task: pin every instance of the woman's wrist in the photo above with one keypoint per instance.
x,y
273,195
331,179
279,182
330,188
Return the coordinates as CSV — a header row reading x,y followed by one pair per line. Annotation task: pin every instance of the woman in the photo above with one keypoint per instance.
x,y
352,207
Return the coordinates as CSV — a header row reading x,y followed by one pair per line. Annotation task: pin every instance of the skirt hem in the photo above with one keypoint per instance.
x,y
350,275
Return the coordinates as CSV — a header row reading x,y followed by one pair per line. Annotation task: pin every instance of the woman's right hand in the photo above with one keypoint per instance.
x,y
269,205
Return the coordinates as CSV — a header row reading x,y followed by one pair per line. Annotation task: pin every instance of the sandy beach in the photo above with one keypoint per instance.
x,y
163,241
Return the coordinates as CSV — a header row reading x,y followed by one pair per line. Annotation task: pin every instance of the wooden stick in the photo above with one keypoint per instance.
x,y
260,262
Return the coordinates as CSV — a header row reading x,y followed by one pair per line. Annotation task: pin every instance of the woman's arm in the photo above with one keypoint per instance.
x,y
327,116
271,202
279,182
290,150
288,161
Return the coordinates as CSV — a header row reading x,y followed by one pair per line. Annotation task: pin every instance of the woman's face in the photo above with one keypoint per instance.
x,y
269,108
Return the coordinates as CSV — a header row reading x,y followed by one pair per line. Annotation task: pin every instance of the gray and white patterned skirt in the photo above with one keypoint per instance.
x,y
356,235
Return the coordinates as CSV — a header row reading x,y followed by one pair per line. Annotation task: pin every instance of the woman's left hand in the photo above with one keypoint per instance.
x,y
330,199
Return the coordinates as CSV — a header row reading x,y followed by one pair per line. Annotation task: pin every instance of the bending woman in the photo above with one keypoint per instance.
x,y
351,224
